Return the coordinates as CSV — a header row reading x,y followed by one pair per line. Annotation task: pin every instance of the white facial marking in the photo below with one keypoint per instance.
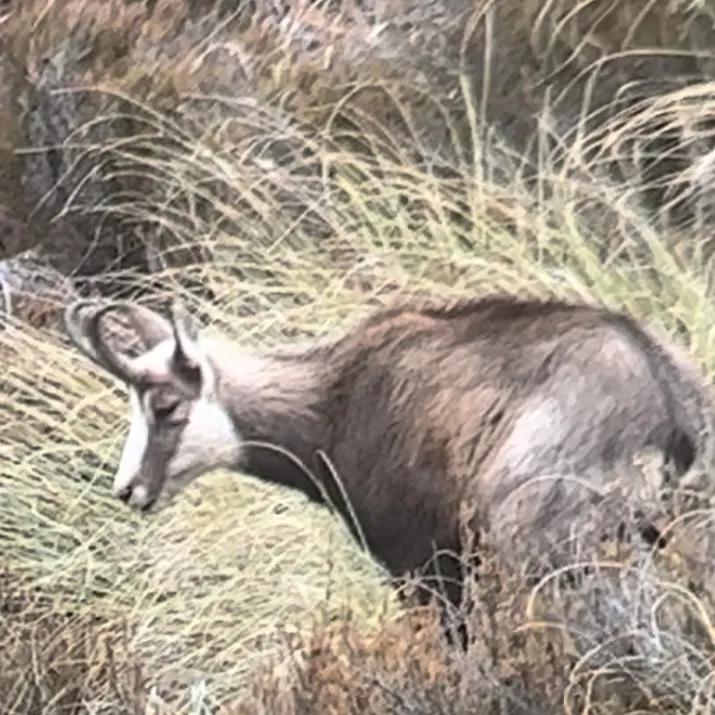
x,y
209,441
134,446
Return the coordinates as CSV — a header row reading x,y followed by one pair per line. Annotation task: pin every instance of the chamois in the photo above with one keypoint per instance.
x,y
416,410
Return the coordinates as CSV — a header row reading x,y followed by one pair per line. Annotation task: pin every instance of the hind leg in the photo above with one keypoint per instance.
x,y
548,493
442,580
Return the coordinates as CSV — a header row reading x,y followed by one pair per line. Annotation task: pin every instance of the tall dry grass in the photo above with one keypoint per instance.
x,y
513,90
275,205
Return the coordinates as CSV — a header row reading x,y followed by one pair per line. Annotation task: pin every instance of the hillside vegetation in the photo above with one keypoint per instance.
x,y
280,165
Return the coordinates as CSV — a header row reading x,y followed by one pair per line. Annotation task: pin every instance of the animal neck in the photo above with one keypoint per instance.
x,y
276,401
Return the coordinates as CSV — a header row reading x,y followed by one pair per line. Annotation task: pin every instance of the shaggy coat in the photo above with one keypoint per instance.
x,y
413,414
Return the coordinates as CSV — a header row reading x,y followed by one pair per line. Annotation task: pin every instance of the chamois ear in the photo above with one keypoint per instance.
x,y
83,323
188,353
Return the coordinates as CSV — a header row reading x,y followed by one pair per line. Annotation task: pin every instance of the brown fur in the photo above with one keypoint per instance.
x,y
417,409
422,408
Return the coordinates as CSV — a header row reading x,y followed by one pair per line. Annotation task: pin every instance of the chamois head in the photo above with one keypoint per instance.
x,y
179,429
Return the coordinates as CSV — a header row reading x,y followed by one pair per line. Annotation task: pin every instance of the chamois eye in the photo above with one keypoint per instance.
x,y
165,411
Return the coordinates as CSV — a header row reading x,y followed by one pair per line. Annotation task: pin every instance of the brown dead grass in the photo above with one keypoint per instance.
x,y
534,651
57,661
122,95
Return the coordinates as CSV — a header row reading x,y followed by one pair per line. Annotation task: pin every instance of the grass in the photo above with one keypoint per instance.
x,y
243,587
202,584
209,586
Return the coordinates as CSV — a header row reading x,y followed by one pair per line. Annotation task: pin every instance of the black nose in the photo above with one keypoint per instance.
x,y
125,495
146,508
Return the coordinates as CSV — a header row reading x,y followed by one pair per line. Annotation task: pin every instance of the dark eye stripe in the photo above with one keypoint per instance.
x,y
165,410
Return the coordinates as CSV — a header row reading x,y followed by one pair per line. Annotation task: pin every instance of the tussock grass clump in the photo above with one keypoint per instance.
x,y
290,98
60,662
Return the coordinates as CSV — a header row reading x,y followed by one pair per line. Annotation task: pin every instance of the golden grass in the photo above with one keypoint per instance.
x,y
207,584
207,589
204,583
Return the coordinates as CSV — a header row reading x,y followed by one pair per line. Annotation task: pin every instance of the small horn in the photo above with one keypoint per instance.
x,y
75,326
186,334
